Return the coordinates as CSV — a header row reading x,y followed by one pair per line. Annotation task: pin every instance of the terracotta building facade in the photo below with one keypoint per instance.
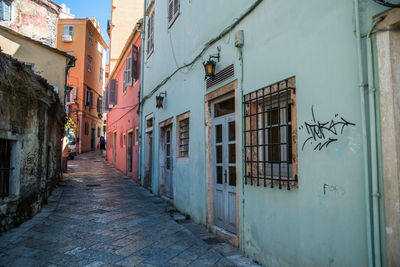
x,y
82,39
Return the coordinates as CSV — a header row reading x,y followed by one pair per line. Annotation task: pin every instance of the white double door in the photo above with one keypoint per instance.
x,y
224,150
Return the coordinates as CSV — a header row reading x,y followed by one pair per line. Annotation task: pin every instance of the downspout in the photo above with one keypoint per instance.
x,y
375,194
240,101
364,133
67,89
143,32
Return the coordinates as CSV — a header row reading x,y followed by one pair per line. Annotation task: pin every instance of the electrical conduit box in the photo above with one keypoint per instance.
x,y
239,38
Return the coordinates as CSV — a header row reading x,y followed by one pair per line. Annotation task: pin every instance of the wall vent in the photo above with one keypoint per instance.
x,y
221,76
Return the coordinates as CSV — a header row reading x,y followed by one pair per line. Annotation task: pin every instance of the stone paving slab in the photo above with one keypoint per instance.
x,y
99,217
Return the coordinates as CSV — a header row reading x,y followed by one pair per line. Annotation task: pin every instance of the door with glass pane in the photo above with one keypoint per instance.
x,y
168,162
224,146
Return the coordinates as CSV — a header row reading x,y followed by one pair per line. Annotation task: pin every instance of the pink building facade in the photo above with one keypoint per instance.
x,y
122,99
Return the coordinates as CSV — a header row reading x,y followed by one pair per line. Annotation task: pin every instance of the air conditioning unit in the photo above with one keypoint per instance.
x,y
67,38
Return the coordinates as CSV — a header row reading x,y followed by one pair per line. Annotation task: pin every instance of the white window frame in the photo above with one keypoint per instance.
x,y
68,30
3,10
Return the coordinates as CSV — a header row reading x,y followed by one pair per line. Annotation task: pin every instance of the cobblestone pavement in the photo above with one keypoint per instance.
x,y
99,217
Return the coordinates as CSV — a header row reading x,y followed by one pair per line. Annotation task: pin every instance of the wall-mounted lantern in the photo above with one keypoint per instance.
x,y
160,99
209,66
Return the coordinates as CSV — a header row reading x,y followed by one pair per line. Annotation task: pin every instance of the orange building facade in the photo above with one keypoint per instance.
x,y
82,39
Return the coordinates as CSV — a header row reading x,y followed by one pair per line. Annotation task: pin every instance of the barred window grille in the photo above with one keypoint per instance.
x,y
184,138
5,169
270,136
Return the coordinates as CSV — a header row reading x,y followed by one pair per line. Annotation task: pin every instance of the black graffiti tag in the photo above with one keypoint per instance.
x,y
324,133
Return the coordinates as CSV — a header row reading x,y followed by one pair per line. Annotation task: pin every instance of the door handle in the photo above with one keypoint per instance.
x,y
225,176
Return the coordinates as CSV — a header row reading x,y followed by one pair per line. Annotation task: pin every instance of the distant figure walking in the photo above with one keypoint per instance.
x,y
102,143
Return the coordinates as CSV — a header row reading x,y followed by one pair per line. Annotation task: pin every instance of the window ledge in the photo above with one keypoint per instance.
x,y
182,159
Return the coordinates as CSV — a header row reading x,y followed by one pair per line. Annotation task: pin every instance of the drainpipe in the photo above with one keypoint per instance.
x,y
67,89
240,103
371,179
143,32
364,133
375,194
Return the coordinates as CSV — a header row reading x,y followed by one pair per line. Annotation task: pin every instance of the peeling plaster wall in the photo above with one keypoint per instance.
x,y
31,117
35,19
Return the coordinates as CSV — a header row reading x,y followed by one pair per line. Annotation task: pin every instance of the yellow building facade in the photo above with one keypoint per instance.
x,y
124,16
45,61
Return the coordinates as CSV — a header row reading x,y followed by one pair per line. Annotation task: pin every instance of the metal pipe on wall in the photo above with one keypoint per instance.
x,y
375,194
364,133
370,161
143,32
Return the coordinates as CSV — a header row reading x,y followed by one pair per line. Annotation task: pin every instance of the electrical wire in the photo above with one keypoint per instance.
x,y
387,4
226,31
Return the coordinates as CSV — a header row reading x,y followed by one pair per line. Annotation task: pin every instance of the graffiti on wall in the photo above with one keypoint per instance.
x,y
320,134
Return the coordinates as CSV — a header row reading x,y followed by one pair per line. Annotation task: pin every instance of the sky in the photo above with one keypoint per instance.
x,y
101,9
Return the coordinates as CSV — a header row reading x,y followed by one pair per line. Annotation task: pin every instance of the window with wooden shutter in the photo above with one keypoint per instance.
x,y
5,10
112,92
150,35
85,97
135,63
91,99
128,73
89,64
173,11
105,104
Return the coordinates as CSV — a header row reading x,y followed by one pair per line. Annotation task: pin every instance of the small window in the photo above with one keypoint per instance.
x,y
5,10
89,62
86,128
99,105
124,140
173,11
150,34
127,73
101,75
68,33
90,37
98,131
5,167
136,135
270,136
183,135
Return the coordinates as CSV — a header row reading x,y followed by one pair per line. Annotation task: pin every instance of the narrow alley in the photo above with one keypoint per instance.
x,y
99,217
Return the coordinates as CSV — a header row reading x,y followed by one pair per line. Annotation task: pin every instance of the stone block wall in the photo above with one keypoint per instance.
x,y
32,119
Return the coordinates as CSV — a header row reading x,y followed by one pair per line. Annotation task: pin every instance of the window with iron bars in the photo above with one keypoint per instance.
x,y
183,135
271,136
5,169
